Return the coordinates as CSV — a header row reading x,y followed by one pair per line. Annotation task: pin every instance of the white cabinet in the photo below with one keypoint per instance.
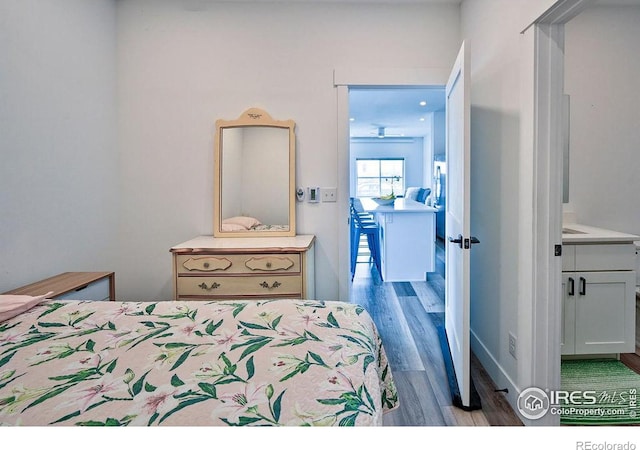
x,y
407,245
598,285
407,238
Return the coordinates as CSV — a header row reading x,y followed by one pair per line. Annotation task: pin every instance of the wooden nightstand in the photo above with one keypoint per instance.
x,y
73,286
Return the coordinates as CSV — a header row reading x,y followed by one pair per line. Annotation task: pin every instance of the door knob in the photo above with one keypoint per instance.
x,y
456,241
464,242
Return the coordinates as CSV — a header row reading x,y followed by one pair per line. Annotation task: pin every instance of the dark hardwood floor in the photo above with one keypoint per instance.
x,y
632,360
406,315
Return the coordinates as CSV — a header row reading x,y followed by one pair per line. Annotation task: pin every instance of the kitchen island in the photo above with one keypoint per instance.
x,y
407,238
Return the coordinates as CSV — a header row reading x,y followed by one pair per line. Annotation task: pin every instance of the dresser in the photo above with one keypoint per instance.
x,y
98,286
213,268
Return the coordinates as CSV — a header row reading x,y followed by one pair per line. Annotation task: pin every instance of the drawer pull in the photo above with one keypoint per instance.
x,y
571,286
275,284
269,263
214,285
206,264
583,286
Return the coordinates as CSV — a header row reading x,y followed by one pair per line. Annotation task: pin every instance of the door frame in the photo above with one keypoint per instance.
x,y
539,273
343,80
540,269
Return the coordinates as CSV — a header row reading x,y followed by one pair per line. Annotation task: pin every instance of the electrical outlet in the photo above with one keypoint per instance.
x,y
512,345
329,194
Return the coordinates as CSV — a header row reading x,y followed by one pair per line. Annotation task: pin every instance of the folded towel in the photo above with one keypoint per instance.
x,y
13,305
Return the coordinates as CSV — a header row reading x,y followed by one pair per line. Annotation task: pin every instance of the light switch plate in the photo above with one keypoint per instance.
x,y
329,194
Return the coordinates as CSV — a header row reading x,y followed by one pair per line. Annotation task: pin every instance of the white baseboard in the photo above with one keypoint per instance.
x,y
502,380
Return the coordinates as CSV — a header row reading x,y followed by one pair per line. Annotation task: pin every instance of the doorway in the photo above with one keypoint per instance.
x,y
546,40
397,145
456,80
344,81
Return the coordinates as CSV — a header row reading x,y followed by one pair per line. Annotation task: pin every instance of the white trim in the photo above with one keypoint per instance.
x,y
563,11
559,12
351,77
526,274
419,76
344,271
540,271
540,229
496,372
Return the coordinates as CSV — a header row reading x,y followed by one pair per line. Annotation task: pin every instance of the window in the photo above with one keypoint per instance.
x,y
376,177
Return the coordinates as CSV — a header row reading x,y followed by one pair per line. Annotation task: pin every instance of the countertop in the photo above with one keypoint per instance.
x,y
208,242
401,205
575,233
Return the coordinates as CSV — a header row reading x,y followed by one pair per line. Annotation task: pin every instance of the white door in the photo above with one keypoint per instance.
x,y
457,226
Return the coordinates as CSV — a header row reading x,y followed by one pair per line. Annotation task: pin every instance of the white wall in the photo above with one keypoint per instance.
x,y
58,170
604,183
492,28
182,65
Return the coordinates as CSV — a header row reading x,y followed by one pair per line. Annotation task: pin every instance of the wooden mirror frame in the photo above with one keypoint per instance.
x,y
252,117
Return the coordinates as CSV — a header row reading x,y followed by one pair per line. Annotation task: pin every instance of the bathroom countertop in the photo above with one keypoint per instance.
x,y
575,233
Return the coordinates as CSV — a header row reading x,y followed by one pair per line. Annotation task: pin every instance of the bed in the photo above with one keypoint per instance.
x,y
223,363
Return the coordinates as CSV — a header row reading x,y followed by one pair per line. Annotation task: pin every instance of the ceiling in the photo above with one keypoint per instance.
x,y
396,112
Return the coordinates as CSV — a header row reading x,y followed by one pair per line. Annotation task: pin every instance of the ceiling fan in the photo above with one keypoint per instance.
x,y
381,133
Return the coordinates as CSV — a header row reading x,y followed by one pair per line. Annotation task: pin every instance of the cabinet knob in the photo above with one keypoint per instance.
x,y
275,284
214,285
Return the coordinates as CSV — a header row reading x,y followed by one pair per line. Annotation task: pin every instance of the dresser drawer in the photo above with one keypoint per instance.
x,y
240,286
238,263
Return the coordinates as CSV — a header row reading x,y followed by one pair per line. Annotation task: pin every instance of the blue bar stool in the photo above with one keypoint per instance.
x,y
363,225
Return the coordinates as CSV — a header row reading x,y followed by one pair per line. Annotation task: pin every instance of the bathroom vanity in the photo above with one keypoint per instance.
x,y
598,285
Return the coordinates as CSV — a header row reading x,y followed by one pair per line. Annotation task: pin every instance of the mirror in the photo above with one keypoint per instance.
x,y
254,171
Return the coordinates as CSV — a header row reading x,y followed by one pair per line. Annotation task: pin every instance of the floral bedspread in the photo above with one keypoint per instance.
x,y
275,362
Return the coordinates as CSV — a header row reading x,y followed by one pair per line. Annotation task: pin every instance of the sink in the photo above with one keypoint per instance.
x,y
571,231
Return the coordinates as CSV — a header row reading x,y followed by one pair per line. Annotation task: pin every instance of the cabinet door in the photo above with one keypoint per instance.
x,y
604,312
568,322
